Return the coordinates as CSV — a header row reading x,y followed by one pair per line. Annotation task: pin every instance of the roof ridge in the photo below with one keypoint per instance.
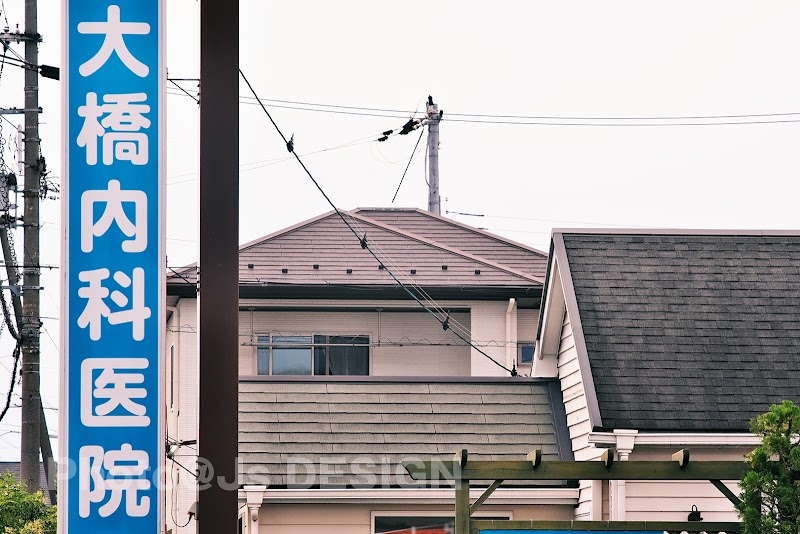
x,y
446,248
262,239
708,232
459,224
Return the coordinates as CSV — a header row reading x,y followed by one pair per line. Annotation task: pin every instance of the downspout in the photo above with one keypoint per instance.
x,y
176,315
510,345
176,342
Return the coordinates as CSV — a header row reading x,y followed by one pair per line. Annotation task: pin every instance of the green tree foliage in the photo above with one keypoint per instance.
x,y
771,489
22,512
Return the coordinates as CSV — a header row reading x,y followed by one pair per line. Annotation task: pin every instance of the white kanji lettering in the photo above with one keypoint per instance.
x,y
125,117
114,30
114,199
114,386
96,308
124,473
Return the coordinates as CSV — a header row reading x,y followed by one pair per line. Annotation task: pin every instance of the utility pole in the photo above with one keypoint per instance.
x,y
434,118
30,324
50,466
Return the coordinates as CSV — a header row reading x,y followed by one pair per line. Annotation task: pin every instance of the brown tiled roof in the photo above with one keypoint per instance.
x,y
467,238
324,252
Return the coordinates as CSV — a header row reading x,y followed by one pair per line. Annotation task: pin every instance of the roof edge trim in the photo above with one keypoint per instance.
x,y
678,231
545,289
436,244
577,331
459,224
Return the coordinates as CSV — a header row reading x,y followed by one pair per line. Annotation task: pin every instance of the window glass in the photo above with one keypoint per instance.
x,y
352,358
262,356
526,352
422,524
318,354
417,524
291,359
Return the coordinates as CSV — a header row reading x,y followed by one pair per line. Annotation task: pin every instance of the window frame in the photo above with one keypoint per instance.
x,y
258,345
520,345
433,513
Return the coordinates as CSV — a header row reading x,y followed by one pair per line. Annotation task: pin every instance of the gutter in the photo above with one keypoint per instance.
x,y
731,439
444,496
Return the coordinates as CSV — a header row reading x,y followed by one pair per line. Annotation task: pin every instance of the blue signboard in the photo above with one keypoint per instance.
x,y
112,441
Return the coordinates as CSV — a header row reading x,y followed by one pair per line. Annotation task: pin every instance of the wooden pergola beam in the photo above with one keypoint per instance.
x,y
562,470
692,527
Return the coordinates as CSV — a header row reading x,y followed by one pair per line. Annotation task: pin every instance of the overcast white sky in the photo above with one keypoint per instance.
x,y
522,57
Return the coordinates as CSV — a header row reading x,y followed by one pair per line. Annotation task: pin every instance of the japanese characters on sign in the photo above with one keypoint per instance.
x,y
113,272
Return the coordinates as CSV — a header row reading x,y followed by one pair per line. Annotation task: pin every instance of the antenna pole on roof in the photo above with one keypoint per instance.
x,y
434,117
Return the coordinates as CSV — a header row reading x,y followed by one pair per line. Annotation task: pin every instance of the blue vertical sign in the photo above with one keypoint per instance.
x,y
112,441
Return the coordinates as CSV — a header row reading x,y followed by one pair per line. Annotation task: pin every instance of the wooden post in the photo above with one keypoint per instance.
x,y
218,375
462,506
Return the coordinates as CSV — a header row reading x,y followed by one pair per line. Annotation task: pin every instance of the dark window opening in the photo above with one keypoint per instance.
x,y
313,355
525,352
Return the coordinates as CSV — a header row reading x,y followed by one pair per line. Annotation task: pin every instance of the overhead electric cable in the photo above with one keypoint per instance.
x,y
413,153
13,381
537,120
187,93
364,240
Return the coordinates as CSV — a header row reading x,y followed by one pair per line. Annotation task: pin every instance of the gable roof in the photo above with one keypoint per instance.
x,y
323,253
686,331
462,236
342,433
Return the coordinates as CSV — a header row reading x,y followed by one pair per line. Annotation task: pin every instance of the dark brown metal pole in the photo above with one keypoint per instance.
x,y
219,265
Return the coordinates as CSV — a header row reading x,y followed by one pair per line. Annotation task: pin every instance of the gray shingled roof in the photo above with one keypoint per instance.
x,y
319,252
339,431
688,332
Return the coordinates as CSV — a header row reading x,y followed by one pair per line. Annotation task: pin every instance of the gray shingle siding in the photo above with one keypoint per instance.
x,y
341,432
688,332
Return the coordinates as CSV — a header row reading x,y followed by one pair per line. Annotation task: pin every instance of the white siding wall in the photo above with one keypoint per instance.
x,y
181,331
577,419
448,357
527,322
489,324
671,501
357,518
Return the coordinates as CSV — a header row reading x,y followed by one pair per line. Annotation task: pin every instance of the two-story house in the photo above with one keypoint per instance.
x,y
665,340
352,362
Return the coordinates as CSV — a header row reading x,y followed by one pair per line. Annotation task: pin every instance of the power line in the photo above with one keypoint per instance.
x,y
363,240
541,120
413,153
448,212
10,393
173,82
253,165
